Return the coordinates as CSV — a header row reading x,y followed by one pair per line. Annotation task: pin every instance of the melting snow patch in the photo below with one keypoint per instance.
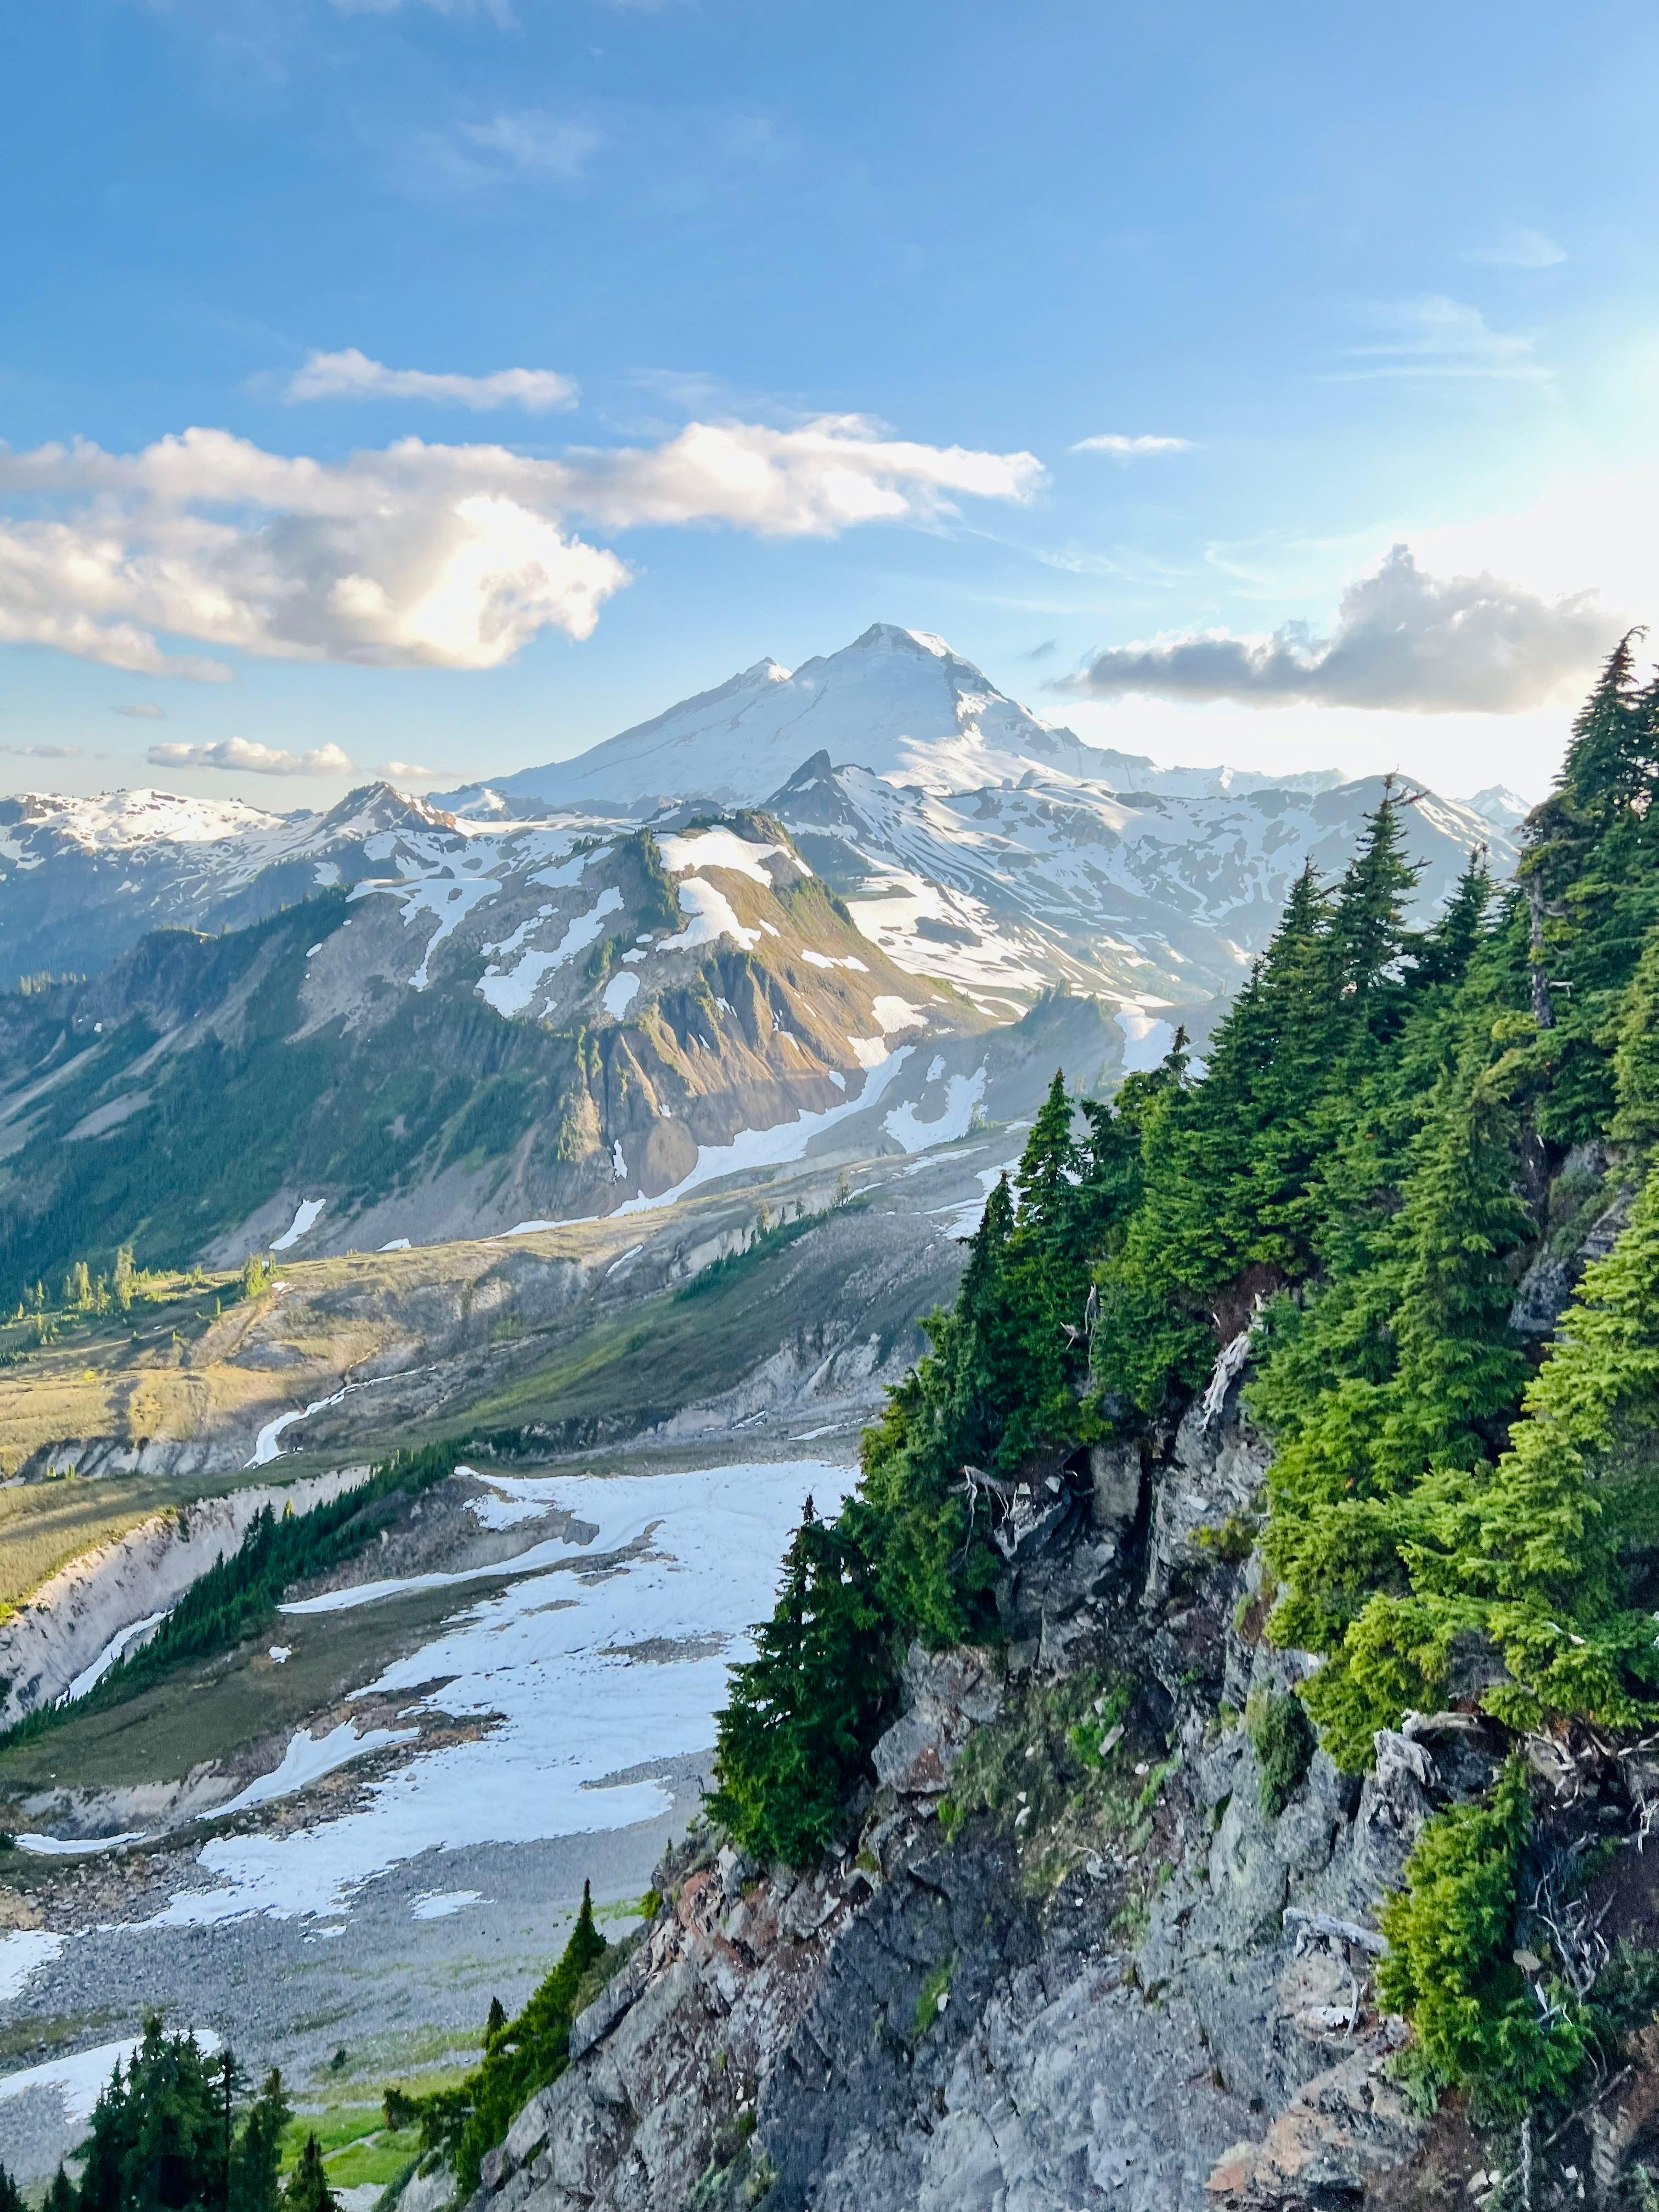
x,y
22,1951
305,1218
441,1905
719,848
711,918
308,1760
822,960
961,1095
511,993
122,1641
78,2080
70,1847
618,995
890,1014
618,1165
784,1140
497,1512
529,1228
281,1654
398,1245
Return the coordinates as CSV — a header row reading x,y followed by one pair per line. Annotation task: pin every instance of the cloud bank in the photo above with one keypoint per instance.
x,y
416,556
1401,639
352,375
247,758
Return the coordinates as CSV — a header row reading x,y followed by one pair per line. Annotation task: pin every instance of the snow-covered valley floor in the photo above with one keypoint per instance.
x,y
599,1667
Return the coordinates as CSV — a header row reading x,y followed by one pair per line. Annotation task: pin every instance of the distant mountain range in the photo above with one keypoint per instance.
x,y
802,917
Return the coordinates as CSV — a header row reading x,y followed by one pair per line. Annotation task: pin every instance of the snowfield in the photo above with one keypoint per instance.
x,y
551,1655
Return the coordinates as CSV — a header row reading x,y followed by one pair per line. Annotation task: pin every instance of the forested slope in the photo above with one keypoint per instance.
x,y
1404,1148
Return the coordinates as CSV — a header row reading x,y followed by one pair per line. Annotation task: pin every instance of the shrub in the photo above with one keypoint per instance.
x,y
1282,1738
1450,1969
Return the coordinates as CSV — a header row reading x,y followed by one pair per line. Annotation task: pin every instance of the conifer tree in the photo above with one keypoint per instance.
x,y
11,2197
256,2155
60,2197
307,2189
1636,1057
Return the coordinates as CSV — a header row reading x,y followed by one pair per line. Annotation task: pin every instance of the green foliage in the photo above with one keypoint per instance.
x,y
11,2197
520,2057
176,2128
1283,1741
932,1997
805,1710
307,2189
1451,1934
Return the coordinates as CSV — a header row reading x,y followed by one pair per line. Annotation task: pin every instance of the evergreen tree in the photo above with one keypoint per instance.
x,y
60,2197
256,2155
1636,1057
307,2189
11,2197
805,1710
495,2022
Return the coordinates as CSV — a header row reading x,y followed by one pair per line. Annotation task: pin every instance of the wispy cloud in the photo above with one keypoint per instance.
x,y
1519,248
244,757
1127,449
352,375
416,556
41,752
1048,647
141,710
1437,337
1401,639
499,10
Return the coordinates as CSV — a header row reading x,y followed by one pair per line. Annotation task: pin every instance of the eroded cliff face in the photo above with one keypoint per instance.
x,y
1060,1964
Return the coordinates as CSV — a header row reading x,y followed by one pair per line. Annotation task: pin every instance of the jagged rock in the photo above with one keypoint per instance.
x,y
1345,2126
945,1693
1118,1478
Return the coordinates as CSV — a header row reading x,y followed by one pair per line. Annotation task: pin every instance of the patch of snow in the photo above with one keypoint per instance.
x,y
529,1228
398,1245
121,1642
618,995
22,1950
721,849
783,1142
711,918
308,1758
73,1847
822,960
890,1014
268,1444
499,1512
1146,1040
573,1708
512,993
965,1218
449,896
305,1218
79,2081
281,1654
963,1094
439,1906
618,1165
836,1078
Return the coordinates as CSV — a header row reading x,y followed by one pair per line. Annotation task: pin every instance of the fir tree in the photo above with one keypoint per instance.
x,y
60,2197
307,2189
11,2197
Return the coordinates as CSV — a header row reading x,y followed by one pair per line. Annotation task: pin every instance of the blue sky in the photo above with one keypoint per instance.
x,y
820,308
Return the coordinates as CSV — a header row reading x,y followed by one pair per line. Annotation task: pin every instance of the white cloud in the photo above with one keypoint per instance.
x,y
1122,448
531,144
352,375
1519,248
1401,640
1436,336
41,752
409,772
241,754
141,710
415,556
